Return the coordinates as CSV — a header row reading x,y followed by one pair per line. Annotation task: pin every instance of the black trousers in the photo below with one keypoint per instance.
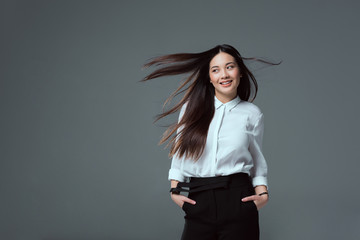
x,y
219,213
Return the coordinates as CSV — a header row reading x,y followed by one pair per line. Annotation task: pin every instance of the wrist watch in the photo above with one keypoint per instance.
x,y
264,193
174,191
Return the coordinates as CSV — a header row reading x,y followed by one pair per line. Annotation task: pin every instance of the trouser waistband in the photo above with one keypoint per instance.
x,y
197,184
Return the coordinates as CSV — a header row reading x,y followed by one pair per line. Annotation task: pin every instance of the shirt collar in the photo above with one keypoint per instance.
x,y
229,105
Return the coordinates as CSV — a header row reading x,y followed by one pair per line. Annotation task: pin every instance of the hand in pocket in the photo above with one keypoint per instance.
x,y
259,201
180,199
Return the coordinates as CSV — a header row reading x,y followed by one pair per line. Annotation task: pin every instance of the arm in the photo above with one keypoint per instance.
x,y
173,183
259,171
175,172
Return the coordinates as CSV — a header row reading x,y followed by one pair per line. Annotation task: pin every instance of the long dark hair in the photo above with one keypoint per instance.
x,y
199,96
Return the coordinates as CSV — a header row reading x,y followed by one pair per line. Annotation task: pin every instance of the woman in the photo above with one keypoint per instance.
x,y
216,151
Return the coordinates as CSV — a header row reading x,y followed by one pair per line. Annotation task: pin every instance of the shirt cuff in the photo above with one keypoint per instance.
x,y
260,180
175,174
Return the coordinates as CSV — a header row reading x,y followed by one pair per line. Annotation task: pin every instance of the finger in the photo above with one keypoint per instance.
x,y
250,198
190,201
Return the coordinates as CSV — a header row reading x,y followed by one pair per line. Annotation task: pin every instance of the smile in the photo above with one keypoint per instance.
x,y
226,84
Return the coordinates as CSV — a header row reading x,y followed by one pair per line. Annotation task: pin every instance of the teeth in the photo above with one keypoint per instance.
x,y
226,82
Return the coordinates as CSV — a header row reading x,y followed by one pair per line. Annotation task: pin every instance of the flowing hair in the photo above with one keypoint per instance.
x,y
191,130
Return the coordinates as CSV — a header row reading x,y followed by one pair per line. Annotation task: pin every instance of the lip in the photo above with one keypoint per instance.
x,y
226,81
226,84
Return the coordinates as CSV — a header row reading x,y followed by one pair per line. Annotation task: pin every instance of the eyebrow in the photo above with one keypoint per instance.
x,y
225,64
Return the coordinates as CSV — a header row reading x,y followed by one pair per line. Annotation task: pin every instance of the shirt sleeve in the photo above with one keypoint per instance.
x,y
175,172
259,171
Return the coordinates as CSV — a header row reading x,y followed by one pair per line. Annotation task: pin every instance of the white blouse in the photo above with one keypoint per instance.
x,y
233,144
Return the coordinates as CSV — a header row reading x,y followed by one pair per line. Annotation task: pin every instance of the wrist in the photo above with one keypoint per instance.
x,y
264,196
260,189
174,191
263,193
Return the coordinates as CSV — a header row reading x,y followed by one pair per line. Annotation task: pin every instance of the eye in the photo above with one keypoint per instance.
x,y
215,70
231,66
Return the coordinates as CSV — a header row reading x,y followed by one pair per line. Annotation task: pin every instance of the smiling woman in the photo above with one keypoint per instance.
x,y
217,149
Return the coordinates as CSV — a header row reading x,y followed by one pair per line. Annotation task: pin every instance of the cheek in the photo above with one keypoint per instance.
x,y
212,77
237,77
235,74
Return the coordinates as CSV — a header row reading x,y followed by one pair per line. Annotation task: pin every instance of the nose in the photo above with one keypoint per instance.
x,y
224,74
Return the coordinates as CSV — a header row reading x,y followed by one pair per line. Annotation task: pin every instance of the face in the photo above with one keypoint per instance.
x,y
225,76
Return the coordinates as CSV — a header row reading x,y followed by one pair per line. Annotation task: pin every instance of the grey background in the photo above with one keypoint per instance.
x,y
78,154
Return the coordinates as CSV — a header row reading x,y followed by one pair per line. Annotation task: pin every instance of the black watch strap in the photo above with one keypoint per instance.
x,y
174,191
263,193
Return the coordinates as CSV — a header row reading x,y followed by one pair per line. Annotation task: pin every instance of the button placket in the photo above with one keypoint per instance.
x,y
216,137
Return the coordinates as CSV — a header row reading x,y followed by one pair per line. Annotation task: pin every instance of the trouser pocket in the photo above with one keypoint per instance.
x,y
201,208
254,205
184,206
248,207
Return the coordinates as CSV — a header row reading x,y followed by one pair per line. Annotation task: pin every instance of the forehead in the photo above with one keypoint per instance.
x,y
221,59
